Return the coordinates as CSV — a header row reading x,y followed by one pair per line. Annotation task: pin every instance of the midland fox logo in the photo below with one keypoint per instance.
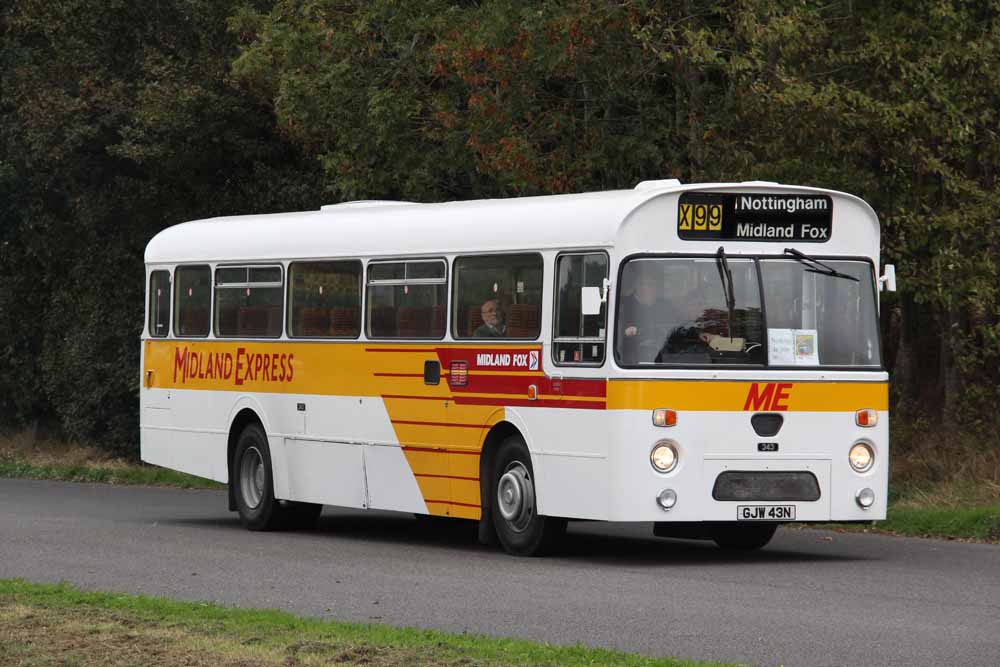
x,y
769,397
241,367
514,360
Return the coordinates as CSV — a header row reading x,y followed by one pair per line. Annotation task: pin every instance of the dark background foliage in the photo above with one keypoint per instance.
x,y
120,119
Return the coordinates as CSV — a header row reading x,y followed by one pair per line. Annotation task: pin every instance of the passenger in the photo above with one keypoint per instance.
x,y
494,321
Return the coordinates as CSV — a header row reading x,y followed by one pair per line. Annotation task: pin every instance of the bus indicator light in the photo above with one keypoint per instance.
x,y
866,418
664,417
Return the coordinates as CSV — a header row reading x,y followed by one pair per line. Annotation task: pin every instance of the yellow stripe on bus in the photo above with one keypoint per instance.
x,y
725,396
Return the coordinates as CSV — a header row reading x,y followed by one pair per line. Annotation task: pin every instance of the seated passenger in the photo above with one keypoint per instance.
x,y
494,321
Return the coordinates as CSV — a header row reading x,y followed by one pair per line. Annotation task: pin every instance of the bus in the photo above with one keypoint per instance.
x,y
702,357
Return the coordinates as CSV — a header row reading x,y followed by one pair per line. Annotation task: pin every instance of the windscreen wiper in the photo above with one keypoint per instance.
x,y
726,276
813,263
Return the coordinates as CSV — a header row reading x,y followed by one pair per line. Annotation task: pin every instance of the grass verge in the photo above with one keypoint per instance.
x,y
24,457
43,624
952,510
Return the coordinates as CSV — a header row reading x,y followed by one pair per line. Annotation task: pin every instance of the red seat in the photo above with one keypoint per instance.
x,y
523,320
344,322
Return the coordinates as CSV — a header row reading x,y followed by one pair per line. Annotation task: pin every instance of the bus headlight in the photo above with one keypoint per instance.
x,y
861,457
664,456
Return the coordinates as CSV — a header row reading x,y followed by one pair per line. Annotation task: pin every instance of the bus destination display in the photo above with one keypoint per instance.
x,y
705,216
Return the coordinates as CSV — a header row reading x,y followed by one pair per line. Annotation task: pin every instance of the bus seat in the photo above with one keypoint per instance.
x,y
194,322
344,321
383,321
313,321
251,321
438,316
475,320
414,321
523,320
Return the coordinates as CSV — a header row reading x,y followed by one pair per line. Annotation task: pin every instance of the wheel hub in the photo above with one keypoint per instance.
x,y
252,477
516,496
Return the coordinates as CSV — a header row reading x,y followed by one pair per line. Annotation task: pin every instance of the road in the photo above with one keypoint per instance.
x,y
809,598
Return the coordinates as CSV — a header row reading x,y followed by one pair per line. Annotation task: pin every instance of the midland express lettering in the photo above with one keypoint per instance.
x,y
241,367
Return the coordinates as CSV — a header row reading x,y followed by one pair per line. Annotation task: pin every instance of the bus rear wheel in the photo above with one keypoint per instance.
x,y
519,527
743,537
254,488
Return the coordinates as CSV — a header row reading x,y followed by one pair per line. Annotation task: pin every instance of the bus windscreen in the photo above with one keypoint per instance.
x,y
687,312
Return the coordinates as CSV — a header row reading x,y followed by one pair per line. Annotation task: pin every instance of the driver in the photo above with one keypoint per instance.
x,y
645,316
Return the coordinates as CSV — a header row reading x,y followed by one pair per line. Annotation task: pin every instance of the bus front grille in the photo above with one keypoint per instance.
x,y
766,485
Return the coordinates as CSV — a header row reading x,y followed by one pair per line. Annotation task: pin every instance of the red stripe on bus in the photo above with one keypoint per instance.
x,y
518,385
418,398
398,375
445,424
525,403
439,450
449,502
417,350
468,479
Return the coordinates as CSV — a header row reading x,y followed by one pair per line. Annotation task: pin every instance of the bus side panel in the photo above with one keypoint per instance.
x,y
569,448
390,480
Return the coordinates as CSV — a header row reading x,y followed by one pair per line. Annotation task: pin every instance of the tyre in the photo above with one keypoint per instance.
x,y
519,527
254,488
743,537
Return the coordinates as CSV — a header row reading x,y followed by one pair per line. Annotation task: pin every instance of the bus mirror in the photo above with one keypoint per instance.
x,y
888,279
590,300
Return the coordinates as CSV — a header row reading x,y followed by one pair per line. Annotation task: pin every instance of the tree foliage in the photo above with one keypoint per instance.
x,y
119,122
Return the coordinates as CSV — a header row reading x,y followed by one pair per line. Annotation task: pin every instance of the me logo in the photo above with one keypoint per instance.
x,y
768,397
533,360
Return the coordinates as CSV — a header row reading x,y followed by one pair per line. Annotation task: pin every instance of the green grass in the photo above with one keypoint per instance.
x,y
116,473
962,523
59,624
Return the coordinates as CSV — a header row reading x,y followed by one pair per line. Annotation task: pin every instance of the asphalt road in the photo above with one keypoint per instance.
x,y
809,598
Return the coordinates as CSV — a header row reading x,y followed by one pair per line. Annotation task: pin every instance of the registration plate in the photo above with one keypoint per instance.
x,y
765,513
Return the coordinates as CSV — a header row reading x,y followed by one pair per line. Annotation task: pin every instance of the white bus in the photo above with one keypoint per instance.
x,y
703,357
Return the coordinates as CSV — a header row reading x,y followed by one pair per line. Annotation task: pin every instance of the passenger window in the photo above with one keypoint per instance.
x,y
324,299
159,304
192,300
248,301
498,296
581,309
407,299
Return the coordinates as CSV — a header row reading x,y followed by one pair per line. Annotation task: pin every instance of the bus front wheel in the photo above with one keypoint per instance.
x,y
744,537
521,530
254,488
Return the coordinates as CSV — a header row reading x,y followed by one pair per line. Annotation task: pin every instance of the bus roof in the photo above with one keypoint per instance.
x,y
381,228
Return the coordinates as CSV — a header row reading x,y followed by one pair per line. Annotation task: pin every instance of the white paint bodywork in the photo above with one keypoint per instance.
x,y
590,464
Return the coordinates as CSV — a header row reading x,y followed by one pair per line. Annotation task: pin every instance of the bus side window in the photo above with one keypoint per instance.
x,y
159,304
579,337
192,300
407,299
248,301
324,299
498,296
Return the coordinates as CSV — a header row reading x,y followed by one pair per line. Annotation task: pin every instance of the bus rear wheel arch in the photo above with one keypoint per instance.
x,y
513,507
251,485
